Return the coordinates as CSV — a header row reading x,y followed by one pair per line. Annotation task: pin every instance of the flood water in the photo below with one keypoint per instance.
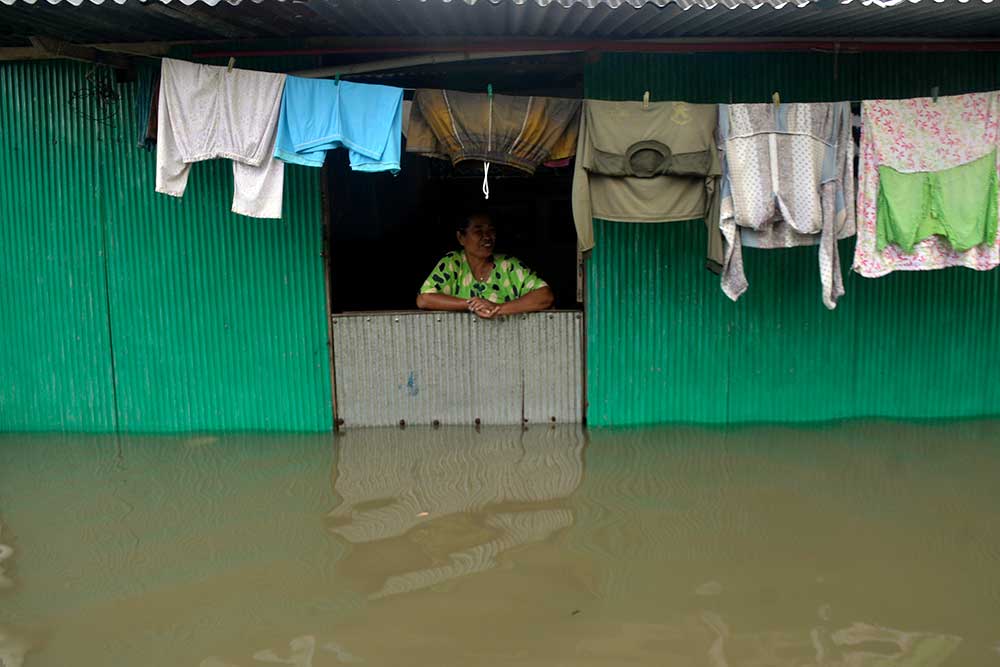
x,y
857,545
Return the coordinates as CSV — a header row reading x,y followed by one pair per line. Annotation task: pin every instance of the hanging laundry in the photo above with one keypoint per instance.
x,y
209,112
407,107
318,115
152,126
957,204
519,132
925,189
146,98
788,180
647,163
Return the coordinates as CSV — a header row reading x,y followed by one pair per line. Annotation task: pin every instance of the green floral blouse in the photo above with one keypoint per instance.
x,y
509,280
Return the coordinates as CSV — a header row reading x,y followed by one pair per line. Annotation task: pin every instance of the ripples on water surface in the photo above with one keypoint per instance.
x,y
853,546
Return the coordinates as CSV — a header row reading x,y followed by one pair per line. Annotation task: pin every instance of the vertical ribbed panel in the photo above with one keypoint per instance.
x,y
55,363
666,345
657,337
552,347
217,321
455,368
422,367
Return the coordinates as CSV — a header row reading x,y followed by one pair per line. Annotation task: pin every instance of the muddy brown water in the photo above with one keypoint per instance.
x,y
857,545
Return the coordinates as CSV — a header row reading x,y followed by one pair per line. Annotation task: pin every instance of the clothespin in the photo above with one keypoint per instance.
x,y
336,80
645,100
934,93
489,89
776,98
232,61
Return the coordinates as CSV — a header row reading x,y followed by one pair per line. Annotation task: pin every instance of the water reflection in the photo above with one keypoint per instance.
x,y
427,506
854,546
6,552
706,638
872,645
858,645
13,648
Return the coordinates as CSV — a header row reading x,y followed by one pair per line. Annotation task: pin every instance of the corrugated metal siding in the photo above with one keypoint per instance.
x,y
552,346
454,368
55,364
217,321
422,367
664,343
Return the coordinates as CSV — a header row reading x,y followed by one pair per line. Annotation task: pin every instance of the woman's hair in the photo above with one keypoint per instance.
x,y
463,221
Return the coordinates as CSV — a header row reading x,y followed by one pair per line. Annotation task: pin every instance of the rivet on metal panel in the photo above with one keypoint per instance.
x,y
368,319
578,316
553,419
478,421
339,422
402,423
436,424
395,319
438,319
551,316
525,420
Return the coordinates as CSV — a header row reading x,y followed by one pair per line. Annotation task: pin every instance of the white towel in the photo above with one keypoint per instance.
x,y
211,112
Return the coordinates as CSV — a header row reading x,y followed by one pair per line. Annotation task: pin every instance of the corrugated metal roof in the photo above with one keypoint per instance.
x,y
589,4
893,3
227,20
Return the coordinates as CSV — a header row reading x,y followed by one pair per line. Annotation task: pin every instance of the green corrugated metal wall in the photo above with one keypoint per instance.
x,y
666,345
127,309
55,369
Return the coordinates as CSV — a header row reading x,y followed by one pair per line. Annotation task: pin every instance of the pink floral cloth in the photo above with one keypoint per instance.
x,y
921,135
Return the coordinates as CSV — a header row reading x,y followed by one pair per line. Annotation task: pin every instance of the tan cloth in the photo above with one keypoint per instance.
x,y
654,164
519,132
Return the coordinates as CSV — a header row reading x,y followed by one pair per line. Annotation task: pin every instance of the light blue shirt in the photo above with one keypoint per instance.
x,y
318,115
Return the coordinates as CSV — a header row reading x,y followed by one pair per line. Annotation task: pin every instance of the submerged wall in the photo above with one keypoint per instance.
x,y
454,368
122,309
666,345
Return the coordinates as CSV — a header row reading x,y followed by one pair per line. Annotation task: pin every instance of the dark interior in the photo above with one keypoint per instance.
x,y
388,231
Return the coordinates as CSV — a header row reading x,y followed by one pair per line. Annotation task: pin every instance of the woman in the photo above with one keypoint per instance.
x,y
476,280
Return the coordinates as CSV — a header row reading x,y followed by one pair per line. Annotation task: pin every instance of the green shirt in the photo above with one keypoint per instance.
x,y
959,204
509,280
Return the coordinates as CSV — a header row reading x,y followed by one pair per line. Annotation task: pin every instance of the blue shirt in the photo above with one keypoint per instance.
x,y
318,115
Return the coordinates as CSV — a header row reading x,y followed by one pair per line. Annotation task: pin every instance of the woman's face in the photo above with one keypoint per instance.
x,y
479,237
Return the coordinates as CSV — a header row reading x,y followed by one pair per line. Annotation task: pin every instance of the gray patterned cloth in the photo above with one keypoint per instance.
x,y
787,180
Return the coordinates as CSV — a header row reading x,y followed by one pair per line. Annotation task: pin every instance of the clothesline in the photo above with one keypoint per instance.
x,y
757,178
933,93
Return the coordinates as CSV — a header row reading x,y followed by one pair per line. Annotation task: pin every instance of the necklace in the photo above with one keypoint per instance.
x,y
484,276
